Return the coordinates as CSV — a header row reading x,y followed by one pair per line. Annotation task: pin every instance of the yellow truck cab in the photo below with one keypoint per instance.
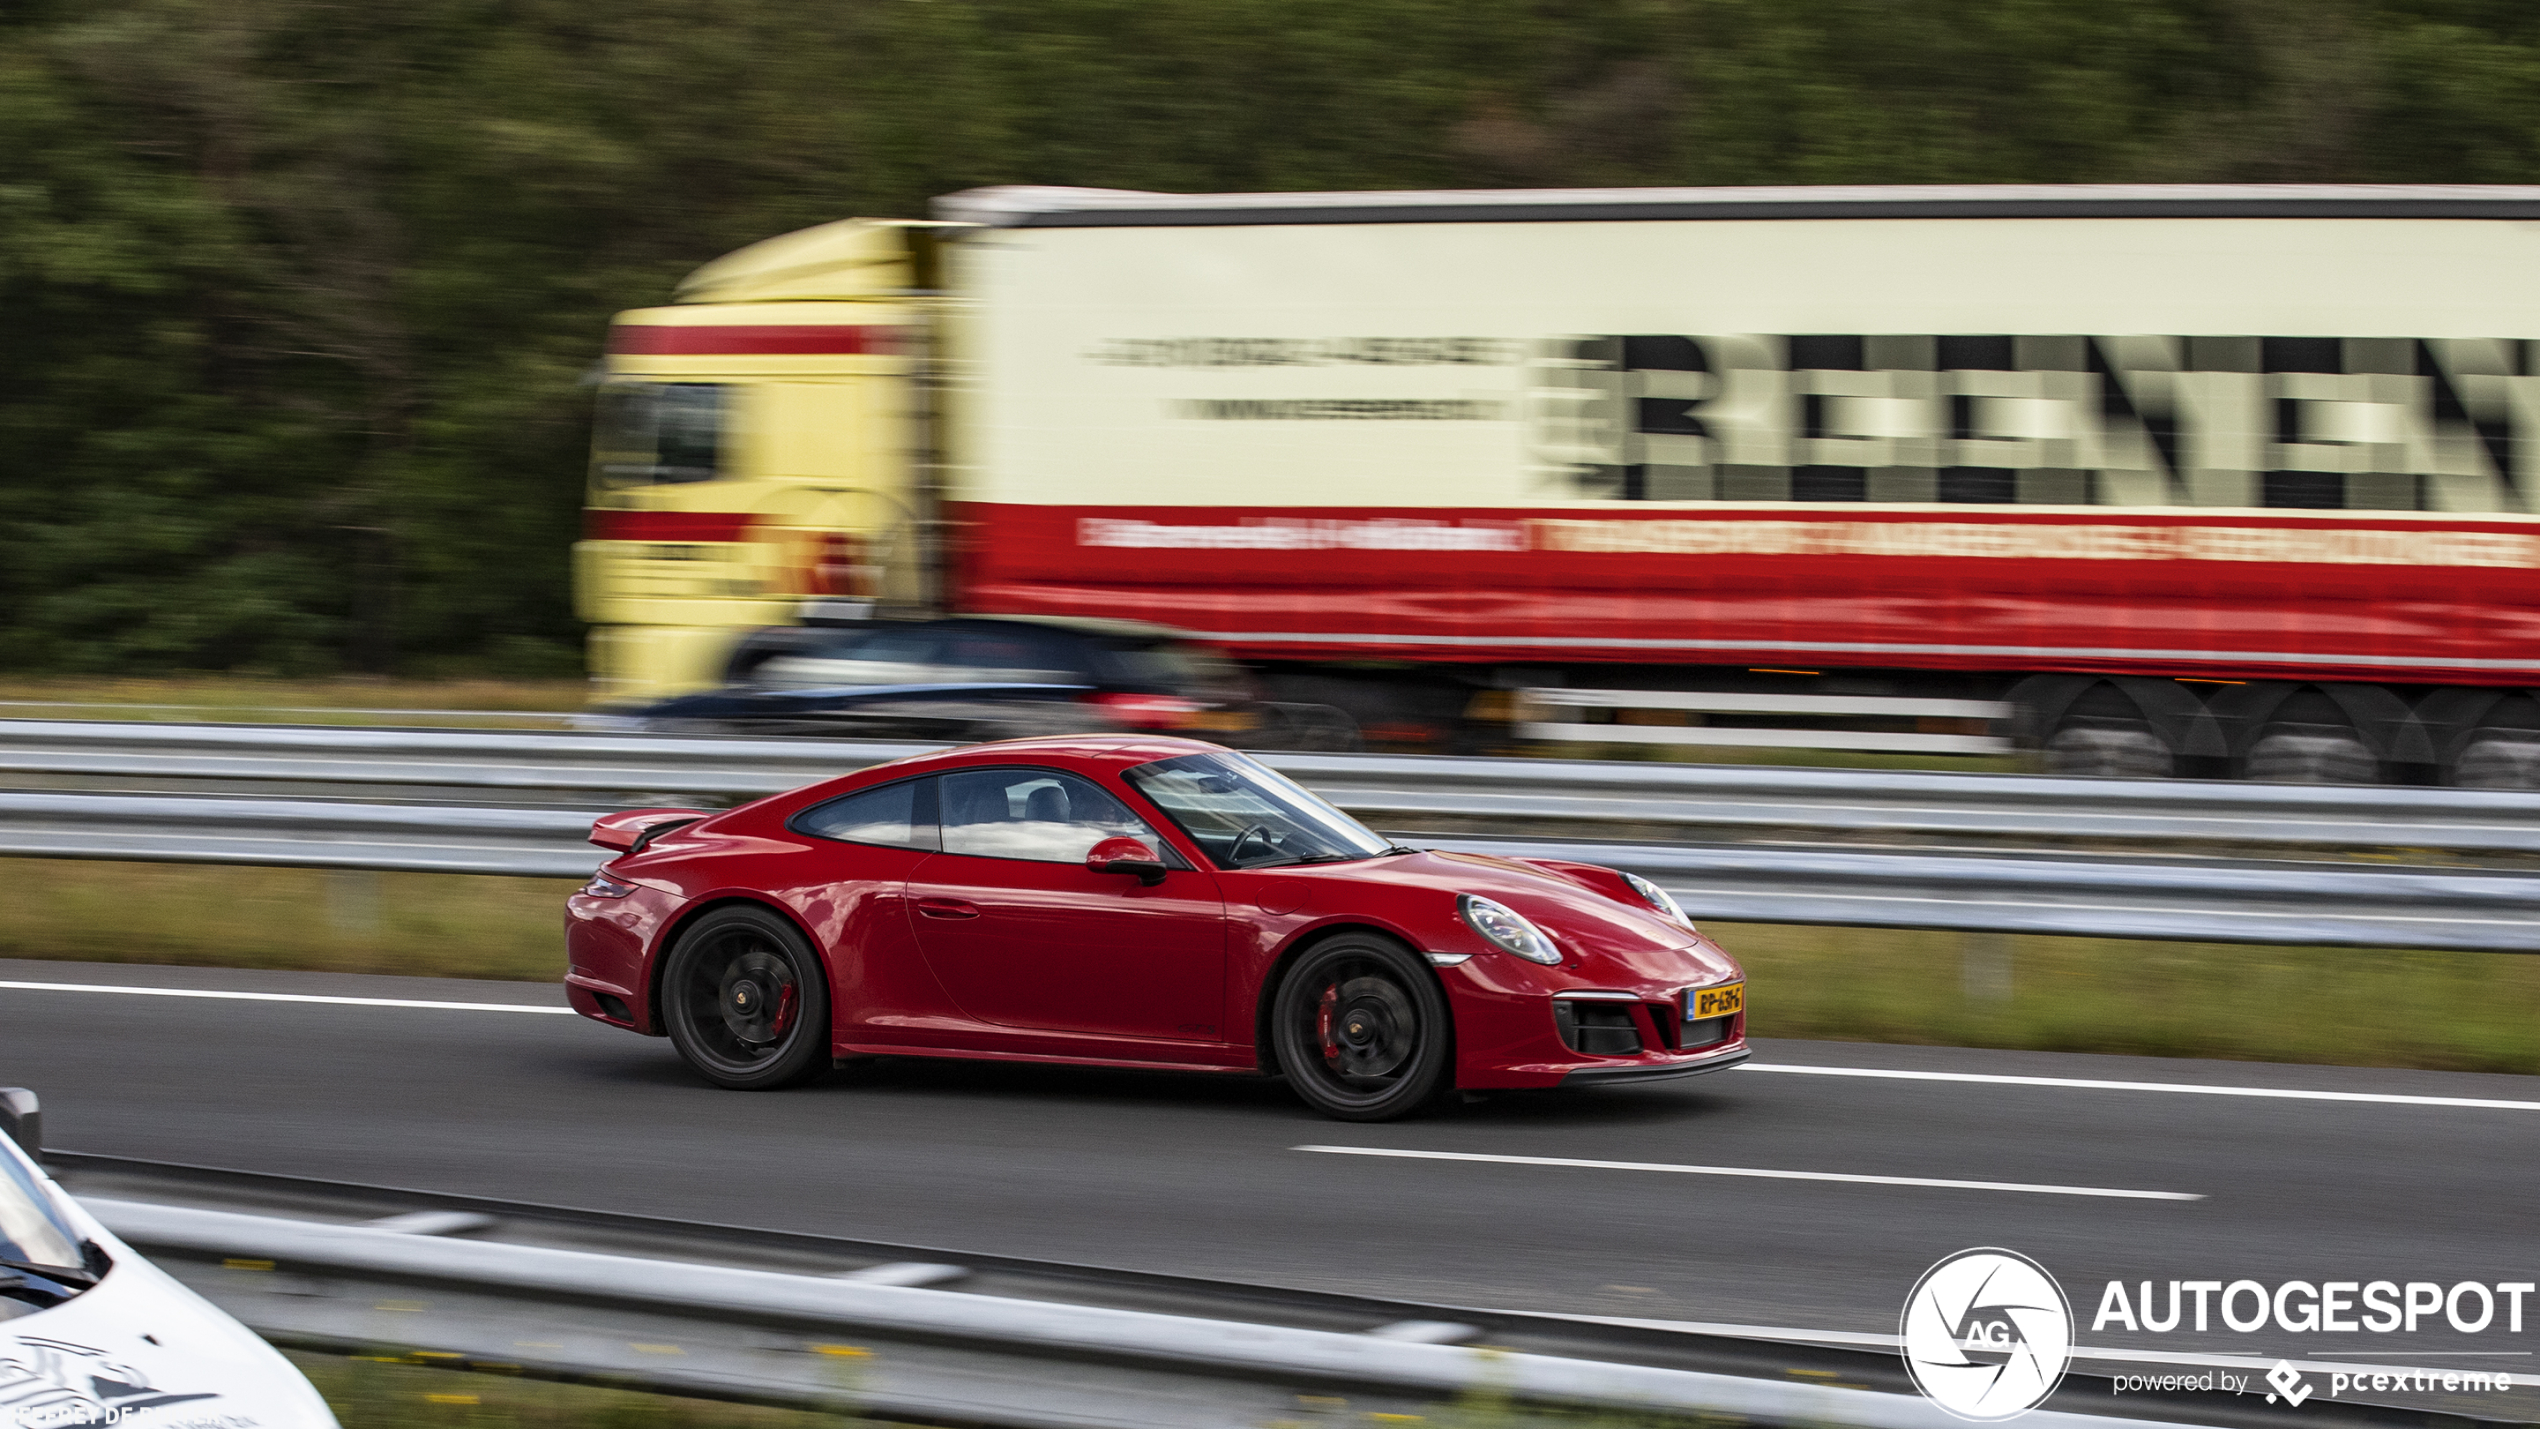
x,y
756,454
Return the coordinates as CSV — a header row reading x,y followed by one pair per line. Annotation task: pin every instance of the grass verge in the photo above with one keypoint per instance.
x,y
2365,1007
352,921
387,1394
369,1394
236,698
2358,1007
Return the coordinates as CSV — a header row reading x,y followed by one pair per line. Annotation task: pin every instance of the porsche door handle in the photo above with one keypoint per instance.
x,y
947,908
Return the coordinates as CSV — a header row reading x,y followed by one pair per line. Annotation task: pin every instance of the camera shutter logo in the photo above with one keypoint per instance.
x,y
1988,1334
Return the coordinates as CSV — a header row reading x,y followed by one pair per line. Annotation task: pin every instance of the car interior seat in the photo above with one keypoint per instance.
x,y
1046,805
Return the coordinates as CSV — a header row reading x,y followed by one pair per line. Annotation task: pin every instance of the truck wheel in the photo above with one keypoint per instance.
x,y
2108,752
2499,759
2312,754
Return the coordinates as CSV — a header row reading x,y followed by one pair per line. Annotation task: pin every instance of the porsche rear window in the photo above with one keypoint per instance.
x,y
898,815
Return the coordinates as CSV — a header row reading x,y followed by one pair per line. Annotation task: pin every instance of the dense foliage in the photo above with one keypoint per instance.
x,y
297,296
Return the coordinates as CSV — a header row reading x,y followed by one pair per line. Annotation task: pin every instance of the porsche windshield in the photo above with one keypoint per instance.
x,y
1247,816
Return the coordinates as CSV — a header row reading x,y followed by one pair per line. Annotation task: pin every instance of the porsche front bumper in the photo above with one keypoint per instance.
x,y
1623,1074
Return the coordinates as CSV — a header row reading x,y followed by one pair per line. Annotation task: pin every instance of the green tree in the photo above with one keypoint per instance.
x,y
298,299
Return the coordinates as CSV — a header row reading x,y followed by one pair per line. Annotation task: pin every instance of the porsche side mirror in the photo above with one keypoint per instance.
x,y
1126,856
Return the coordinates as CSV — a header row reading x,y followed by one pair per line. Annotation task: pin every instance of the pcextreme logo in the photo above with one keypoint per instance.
x,y
1988,1334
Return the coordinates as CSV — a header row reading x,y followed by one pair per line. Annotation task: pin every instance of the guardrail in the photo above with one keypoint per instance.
x,y
2198,901
1668,800
936,1356
2208,899
514,765
395,838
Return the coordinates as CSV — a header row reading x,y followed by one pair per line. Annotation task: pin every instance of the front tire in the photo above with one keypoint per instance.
x,y
1363,1031
746,1002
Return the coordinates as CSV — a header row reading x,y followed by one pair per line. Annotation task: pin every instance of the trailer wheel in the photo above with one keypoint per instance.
x,y
2499,759
2312,754
2109,750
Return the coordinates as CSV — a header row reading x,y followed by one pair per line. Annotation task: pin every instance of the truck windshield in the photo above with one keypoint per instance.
x,y
1248,816
649,433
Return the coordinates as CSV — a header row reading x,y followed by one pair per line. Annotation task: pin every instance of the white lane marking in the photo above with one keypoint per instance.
x,y
277,997
2188,1087
1756,1172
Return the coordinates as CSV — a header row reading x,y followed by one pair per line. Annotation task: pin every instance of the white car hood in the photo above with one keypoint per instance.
x,y
140,1351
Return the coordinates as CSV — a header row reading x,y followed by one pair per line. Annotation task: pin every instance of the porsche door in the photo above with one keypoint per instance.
x,y
1023,935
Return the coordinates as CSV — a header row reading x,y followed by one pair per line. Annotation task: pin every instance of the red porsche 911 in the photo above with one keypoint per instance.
x,y
1133,901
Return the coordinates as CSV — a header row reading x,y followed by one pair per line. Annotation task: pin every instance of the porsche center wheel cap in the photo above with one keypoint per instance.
x,y
745,998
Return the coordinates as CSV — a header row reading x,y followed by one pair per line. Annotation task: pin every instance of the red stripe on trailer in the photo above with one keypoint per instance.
x,y
753,340
601,525
2346,595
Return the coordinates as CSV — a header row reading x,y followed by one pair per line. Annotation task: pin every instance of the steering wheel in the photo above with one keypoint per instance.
x,y
1235,853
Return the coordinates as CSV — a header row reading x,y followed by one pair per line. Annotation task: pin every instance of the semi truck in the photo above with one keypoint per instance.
x,y
2215,481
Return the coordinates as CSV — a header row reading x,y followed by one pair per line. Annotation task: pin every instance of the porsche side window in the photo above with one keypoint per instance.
x,y
1037,814
895,815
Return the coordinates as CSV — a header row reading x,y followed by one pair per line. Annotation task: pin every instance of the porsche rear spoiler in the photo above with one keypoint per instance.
x,y
629,830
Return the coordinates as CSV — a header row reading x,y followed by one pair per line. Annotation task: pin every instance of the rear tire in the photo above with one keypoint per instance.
x,y
746,1002
1362,1030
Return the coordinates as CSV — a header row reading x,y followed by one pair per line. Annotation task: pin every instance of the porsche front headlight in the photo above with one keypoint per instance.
x,y
1658,898
1506,929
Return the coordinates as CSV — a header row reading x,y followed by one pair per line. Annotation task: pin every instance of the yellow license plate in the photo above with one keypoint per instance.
x,y
1219,721
1704,1002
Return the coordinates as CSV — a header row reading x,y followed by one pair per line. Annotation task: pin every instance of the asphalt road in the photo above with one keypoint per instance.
x,y
1204,1176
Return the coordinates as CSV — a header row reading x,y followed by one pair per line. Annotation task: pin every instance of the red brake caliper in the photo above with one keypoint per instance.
x,y
784,1011
1323,1020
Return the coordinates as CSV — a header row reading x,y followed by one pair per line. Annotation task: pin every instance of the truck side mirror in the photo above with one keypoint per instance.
x,y
1125,855
22,1121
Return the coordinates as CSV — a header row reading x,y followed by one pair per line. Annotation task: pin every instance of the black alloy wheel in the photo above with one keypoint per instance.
x,y
745,1001
1363,1031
